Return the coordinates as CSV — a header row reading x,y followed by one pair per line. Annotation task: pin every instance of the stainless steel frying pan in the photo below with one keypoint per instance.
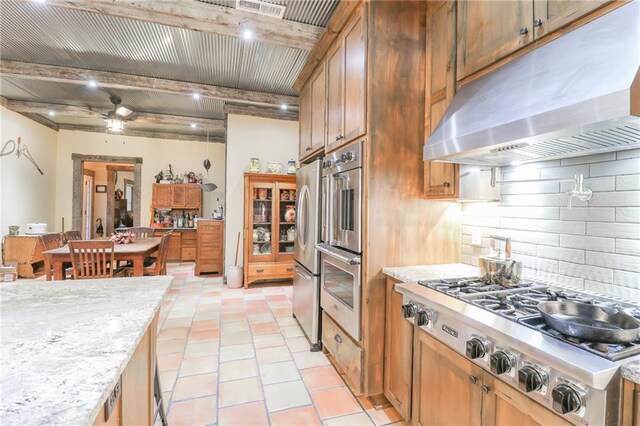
x,y
589,322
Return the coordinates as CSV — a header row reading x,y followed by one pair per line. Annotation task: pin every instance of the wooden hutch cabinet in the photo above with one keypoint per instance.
x,y
269,226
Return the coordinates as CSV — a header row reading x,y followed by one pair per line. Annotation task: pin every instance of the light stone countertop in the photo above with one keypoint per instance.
x,y
413,274
631,371
64,344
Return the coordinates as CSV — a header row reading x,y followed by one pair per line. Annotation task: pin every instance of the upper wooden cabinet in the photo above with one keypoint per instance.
x,y
176,196
549,15
440,179
318,109
305,121
193,197
161,196
490,30
346,84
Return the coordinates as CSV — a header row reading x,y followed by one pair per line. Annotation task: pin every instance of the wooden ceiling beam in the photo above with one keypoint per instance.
x,y
112,80
138,117
202,17
30,115
261,112
142,133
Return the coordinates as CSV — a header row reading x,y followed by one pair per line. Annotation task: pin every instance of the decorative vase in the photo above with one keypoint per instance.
x,y
290,214
291,167
254,165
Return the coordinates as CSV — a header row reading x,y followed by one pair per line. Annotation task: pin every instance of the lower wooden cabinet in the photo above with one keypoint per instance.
x,y
182,244
347,355
451,390
630,403
25,251
209,247
188,246
398,354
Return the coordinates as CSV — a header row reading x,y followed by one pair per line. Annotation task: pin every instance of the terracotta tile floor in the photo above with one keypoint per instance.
x,y
237,357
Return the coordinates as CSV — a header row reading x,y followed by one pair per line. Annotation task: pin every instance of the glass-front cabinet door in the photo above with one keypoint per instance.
x,y
263,222
286,214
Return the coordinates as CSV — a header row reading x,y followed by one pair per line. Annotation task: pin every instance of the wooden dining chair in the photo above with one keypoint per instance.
x,y
159,267
142,231
72,236
92,258
50,242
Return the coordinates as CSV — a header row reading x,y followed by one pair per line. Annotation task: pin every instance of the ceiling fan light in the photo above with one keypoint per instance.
x,y
123,111
115,125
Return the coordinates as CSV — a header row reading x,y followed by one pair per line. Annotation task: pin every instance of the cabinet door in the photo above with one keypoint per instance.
x,y
440,179
490,30
398,350
446,387
550,15
285,229
161,195
335,96
193,197
305,121
174,252
178,196
261,232
355,78
318,109
505,405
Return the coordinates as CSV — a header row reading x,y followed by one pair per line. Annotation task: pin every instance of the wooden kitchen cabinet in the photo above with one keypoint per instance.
x,y
346,353
630,403
318,109
450,389
174,253
490,30
346,84
177,196
305,122
398,354
188,246
210,247
162,195
550,15
25,251
192,196
440,179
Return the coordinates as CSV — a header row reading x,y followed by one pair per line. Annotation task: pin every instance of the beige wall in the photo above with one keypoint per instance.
x,y
267,139
156,154
26,195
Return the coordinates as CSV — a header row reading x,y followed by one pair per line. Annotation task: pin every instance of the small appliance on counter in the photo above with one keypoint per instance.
x,y
499,267
36,228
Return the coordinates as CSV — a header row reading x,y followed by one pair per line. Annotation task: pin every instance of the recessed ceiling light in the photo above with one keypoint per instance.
x,y
39,1
93,83
284,107
196,96
52,113
247,34
194,125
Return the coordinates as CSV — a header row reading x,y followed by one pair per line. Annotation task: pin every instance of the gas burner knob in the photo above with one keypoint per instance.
x,y
530,379
500,363
409,310
344,158
475,348
349,156
565,399
422,318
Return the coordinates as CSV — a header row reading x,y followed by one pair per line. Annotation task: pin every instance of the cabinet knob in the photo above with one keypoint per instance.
x,y
259,271
473,379
289,269
446,184
486,389
337,138
524,30
537,22
337,338
308,148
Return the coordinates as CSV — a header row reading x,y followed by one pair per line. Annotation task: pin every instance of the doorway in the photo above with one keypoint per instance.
x,y
106,192
87,204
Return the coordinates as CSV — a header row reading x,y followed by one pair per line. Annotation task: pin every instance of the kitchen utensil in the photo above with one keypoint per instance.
x,y
256,249
590,322
290,214
265,249
291,234
499,268
235,275
284,195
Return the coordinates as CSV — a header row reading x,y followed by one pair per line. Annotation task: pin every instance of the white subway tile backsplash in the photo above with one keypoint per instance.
x,y
561,253
587,159
627,182
564,172
613,168
559,227
590,214
594,245
614,230
631,247
588,243
628,214
585,271
613,261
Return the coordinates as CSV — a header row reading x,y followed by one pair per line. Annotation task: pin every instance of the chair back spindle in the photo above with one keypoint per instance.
x,y
92,258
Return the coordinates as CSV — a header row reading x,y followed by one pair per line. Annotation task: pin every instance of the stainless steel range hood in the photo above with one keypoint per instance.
x,y
576,95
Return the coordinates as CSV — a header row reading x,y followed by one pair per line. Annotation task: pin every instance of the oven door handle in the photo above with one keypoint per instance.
x,y
348,258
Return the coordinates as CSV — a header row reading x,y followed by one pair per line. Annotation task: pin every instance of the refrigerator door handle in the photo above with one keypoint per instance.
x,y
304,275
303,218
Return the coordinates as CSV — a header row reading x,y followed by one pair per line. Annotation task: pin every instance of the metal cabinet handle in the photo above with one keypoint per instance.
x,y
337,138
486,389
337,338
473,379
537,22
524,30
289,269
308,148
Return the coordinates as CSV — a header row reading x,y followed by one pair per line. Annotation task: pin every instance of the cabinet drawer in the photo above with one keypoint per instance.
x,y
346,353
189,235
188,253
268,271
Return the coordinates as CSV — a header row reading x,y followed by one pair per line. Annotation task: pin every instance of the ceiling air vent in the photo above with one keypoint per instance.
x,y
261,7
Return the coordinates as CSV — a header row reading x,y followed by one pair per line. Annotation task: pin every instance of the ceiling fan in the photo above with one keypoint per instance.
x,y
115,119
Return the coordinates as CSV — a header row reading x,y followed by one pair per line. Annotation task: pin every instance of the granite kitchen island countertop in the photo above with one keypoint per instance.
x,y
631,371
64,344
413,274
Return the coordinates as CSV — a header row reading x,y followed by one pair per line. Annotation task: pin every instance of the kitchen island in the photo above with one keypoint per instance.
x,y
66,345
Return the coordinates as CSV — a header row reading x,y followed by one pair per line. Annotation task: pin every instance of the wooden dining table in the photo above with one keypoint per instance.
x,y
135,252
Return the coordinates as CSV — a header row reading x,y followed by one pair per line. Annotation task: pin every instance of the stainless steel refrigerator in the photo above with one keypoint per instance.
x,y
306,282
